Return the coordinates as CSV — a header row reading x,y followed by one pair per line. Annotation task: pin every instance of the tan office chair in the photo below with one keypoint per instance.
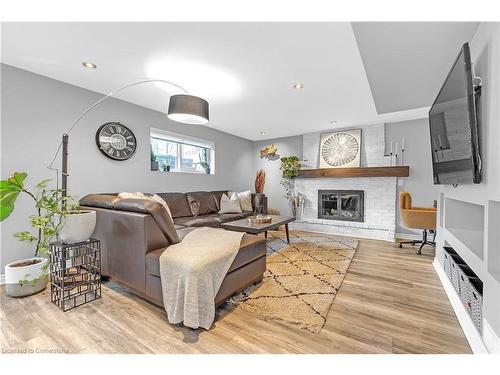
x,y
423,218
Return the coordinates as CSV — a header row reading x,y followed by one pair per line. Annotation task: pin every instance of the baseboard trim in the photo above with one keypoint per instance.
x,y
2,279
408,236
490,338
471,333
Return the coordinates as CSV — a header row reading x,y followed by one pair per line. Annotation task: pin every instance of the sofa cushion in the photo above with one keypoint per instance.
x,y
207,202
229,206
251,248
218,195
178,204
224,218
153,208
198,221
245,199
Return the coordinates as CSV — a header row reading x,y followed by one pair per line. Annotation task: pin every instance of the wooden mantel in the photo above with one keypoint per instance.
x,y
398,171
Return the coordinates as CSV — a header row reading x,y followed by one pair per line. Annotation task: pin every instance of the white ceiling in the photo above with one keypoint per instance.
x,y
245,70
407,62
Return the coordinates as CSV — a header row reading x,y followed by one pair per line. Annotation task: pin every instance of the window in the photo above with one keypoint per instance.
x,y
176,153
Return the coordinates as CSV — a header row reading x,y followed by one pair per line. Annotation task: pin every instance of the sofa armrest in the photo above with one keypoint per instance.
x,y
126,237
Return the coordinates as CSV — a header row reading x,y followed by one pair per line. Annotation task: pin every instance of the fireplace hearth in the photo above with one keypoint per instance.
x,y
346,205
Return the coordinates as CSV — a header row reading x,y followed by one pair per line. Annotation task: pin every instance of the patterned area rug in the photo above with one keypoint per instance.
x,y
302,279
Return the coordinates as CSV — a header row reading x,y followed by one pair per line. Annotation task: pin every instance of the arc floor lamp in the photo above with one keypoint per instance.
x,y
183,108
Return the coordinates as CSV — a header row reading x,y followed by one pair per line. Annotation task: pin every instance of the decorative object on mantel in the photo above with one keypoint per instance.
x,y
340,149
56,215
268,151
397,158
399,171
260,181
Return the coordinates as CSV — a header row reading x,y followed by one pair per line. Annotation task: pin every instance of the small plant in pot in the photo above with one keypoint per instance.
x,y
154,163
55,216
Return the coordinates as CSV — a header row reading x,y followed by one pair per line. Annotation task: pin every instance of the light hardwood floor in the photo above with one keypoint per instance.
x,y
391,301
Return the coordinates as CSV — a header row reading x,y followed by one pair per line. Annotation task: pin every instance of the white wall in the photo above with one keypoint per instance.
x,y
36,110
289,146
485,54
372,146
418,156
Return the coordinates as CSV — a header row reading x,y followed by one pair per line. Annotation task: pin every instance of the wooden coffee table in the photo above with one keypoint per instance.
x,y
244,225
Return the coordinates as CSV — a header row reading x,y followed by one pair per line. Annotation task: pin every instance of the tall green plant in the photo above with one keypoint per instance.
x,y
51,207
290,168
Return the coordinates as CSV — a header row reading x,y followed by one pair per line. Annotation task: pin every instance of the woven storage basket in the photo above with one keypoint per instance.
x,y
454,265
447,260
476,298
464,274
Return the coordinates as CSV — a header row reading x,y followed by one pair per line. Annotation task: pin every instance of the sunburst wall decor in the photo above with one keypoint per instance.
x,y
340,149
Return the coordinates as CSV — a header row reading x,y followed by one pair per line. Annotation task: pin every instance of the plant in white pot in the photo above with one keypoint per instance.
x,y
55,215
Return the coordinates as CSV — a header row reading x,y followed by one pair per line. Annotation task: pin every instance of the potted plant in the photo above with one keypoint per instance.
x,y
56,216
165,167
205,166
290,167
154,163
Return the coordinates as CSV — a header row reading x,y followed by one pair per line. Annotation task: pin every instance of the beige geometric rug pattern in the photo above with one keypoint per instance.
x,y
301,280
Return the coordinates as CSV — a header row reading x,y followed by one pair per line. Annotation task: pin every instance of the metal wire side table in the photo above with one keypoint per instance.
x,y
75,273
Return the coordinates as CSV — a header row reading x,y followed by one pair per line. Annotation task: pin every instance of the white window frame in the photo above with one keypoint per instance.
x,y
182,139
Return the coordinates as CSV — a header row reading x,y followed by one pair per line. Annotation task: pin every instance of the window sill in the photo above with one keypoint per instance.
x,y
183,172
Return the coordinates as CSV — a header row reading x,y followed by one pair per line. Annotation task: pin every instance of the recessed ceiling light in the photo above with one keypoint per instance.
x,y
298,86
333,122
262,132
89,65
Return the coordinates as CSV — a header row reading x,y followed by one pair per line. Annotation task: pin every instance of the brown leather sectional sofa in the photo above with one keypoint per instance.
x,y
134,233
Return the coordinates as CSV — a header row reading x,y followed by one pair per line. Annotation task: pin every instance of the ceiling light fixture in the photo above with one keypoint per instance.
x,y
333,122
298,86
262,133
89,65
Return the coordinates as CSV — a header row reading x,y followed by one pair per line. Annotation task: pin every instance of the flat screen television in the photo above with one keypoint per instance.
x,y
454,126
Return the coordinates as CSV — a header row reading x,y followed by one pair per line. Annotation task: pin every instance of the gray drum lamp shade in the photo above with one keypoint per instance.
x,y
188,109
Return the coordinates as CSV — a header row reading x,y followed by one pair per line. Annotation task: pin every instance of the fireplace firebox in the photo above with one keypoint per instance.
x,y
347,205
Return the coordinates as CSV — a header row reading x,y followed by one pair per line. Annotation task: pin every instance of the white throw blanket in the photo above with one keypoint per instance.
x,y
192,272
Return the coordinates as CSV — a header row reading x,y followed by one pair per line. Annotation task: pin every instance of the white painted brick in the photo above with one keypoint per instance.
x,y
380,192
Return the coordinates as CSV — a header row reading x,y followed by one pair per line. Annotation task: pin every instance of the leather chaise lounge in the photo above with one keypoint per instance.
x,y
133,236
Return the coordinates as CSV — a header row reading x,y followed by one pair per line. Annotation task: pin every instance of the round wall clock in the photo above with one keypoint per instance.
x,y
116,141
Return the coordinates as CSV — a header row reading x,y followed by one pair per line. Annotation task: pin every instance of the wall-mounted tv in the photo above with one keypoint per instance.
x,y
454,126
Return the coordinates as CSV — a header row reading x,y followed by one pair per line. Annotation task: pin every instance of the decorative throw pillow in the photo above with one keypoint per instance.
x,y
161,201
245,199
126,195
229,206
154,198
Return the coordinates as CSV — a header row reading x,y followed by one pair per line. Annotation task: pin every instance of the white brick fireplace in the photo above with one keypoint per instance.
x,y
379,192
